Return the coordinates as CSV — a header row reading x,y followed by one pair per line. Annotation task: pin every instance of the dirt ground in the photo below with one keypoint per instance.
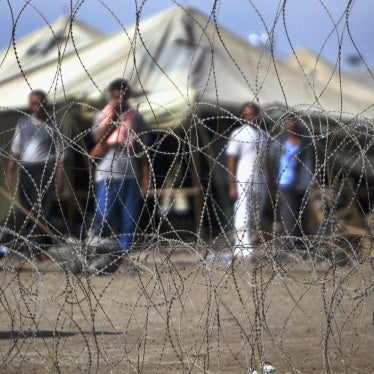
x,y
184,314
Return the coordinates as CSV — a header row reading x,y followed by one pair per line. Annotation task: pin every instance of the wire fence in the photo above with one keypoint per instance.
x,y
216,241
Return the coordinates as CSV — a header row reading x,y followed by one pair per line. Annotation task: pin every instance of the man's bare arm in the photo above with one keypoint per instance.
x,y
10,170
60,177
232,164
105,122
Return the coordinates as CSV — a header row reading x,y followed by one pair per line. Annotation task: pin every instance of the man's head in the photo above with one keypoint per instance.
x,y
292,126
38,103
250,111
119,90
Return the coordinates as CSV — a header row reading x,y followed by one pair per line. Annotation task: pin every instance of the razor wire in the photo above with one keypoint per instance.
x,y
185,300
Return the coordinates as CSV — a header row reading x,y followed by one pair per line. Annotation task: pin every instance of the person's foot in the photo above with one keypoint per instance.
x,y
220,258
67,257
104,264
4,251
228,259
131,267
211,257
243,253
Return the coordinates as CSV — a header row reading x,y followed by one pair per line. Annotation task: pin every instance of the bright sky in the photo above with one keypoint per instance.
x,y
328,27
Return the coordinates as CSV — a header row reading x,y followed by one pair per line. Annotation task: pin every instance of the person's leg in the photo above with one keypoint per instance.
x,y
47,187
45,176
304,213
286,209
130,205
24,188
243,241
257,199
107,218
36,194
290,204
105,215
29,198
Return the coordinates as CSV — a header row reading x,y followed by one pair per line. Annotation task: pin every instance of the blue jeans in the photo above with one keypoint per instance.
x,y
118,204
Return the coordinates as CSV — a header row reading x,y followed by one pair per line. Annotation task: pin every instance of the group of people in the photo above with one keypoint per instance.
x,y
122,170
121,174
260,170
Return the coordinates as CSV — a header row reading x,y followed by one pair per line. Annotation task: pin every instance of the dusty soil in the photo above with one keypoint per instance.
x,y
182,314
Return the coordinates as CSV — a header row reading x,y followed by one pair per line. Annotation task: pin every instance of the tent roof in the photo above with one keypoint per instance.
x,y
330,85
48,44
176,58
365,75
185,52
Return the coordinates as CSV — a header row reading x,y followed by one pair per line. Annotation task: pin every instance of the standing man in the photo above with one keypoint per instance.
x,y
247,182
122,172
295,174
37,151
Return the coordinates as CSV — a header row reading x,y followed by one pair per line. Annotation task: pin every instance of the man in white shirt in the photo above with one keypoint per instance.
x,y
37,151
247,180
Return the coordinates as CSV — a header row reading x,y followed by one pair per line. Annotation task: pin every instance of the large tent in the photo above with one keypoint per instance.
x,y
181,65
174,59
333,86
365,75
34,61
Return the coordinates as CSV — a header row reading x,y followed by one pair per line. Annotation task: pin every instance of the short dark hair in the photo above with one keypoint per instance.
x,y
291,117
121,85
250,104
41,94
297,128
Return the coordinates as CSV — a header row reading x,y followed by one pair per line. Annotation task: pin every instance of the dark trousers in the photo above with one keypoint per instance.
x,y
293,212
36,186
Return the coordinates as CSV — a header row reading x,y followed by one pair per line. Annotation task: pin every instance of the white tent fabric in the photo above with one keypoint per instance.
x,y
365,75
35,60
329,84
175,59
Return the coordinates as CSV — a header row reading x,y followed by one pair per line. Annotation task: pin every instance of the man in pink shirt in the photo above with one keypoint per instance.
x,y
122,173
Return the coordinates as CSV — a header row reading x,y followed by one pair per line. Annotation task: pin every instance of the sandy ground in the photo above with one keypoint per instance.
x,y
183,314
